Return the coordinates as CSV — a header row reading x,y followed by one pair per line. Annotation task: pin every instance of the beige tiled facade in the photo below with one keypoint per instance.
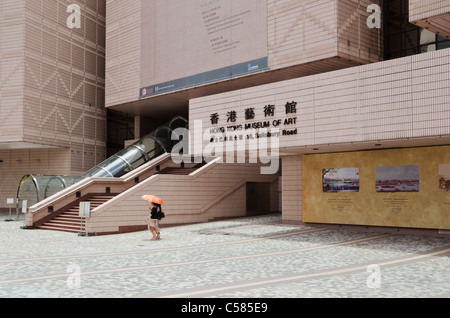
x,y
398,103
51,90
123,38
303,38
322,59
431,14
397,99
423,9
302,32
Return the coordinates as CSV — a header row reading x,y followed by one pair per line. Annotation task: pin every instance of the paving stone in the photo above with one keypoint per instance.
x,y
248,257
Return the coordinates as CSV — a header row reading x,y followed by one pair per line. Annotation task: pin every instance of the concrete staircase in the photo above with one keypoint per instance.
x,y
68,220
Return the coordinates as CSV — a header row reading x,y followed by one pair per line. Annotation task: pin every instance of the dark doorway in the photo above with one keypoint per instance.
x,y
258,198
120,127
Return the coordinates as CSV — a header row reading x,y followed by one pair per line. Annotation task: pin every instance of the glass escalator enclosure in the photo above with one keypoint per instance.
x,y
115,166
96,172
146,149
179,132
134,156
54,185
34,189
28,190
128,159
178,122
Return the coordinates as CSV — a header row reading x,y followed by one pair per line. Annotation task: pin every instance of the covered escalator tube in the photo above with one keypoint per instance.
x,y
34,188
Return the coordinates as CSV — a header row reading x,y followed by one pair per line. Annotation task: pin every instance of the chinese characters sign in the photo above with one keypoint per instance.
x,y
231,118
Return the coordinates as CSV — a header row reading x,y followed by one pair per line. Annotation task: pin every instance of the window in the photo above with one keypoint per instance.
x,y
432,42
402,38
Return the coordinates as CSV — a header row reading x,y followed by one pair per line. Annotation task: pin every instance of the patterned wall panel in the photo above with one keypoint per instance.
x,y
301,31
123,36
51,89
64,83
11,69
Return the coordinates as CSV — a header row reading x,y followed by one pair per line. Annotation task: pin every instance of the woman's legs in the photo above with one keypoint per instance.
x,y
152,227
158,231
153,231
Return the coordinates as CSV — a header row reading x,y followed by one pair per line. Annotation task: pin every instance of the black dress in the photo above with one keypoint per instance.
x,y
154,213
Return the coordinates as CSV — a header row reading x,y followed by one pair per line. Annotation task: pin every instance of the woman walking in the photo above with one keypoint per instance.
x,y
152,221
155,215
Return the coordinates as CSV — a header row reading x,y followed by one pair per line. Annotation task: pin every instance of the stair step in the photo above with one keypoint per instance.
x,y
63,220
62,229
67,219
65,224
70,221
72,213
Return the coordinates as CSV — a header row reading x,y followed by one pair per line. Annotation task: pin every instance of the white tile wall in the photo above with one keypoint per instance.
x,y
421,9
401,98
433,15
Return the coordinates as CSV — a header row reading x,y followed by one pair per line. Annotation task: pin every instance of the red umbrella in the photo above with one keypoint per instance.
x,y
152,198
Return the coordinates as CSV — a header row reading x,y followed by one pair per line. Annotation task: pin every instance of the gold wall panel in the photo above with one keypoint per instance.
x,y
428,208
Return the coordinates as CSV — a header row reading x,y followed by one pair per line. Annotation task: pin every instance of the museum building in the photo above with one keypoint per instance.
x,y
331,112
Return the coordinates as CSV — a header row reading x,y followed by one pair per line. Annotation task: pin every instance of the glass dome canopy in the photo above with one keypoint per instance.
x,y
34,189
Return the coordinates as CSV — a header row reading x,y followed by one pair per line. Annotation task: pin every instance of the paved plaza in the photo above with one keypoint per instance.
x,y
256,257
